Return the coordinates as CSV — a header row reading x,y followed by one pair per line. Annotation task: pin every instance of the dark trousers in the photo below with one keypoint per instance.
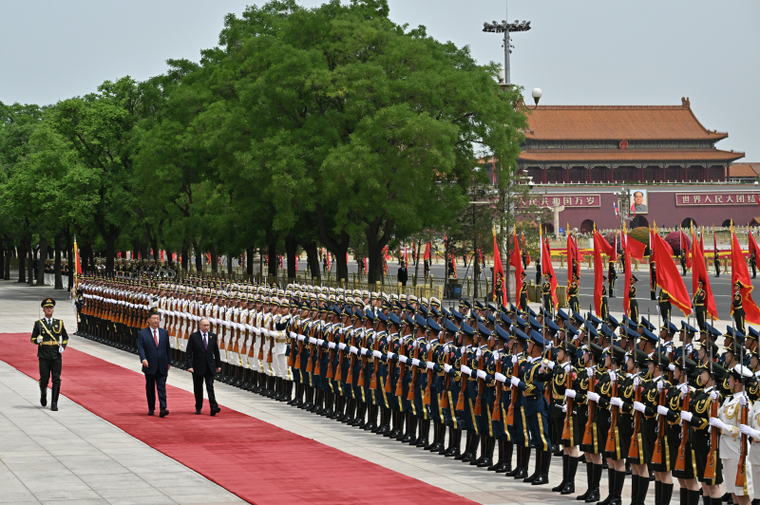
x,y
154,382
48,367
198,390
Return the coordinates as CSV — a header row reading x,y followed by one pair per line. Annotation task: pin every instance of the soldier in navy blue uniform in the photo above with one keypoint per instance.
x,y
485,373
470,393
450,388
532,380
561,372
378,355
501,432
51,339
391,352
434,363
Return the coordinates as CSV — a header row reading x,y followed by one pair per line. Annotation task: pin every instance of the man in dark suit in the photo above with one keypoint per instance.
x,y
203,361
403,274
155,354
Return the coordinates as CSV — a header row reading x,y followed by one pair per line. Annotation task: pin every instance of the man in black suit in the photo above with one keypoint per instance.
x,y
402,274
155,354
203,361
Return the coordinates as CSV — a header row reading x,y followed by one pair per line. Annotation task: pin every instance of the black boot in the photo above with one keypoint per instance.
x,y
523,469
572,469
394,431
589,481
536,469
643,488
361,409
666,493
371,425
617,496
593,497
565,465
692,497
339,413
635,480
403,426
518,463
500,465
455,443
611,474
43,395
308,401
483,442
489,447
385,420
411,429
350,410
54,399
436,444
657,492
470,447
543,476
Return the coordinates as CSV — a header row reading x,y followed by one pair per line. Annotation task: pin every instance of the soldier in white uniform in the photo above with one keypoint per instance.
x,y
729,421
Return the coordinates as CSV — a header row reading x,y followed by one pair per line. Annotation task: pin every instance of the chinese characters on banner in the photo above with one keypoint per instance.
x,y
687,199
565,200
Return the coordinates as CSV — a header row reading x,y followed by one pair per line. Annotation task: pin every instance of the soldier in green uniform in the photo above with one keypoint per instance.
x,y
546,290
700,296
51,339
633,304
737,310
611,277
524,292
572,293
664,304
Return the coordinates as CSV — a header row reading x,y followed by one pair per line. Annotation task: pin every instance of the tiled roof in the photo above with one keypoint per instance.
x,y
617,122
633,155
744,170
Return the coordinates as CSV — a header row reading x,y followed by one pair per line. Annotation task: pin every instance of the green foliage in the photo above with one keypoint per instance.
x,y
641,234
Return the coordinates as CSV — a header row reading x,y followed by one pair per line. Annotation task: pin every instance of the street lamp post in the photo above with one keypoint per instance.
x,y
624,204
506,29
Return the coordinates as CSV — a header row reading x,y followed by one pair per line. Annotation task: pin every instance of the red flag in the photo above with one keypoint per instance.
x,y
700,272
614,256
428,251
740,273
572,254
516,261
498,271
599,243
525,247
547,267
406,255
78,270
635,248
752,244
668,277
626,243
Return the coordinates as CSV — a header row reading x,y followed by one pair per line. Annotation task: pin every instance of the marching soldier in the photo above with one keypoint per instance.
x,y
737,310
664,304
51,339
546,291
699,299
572,292
524,291
611,277
633,304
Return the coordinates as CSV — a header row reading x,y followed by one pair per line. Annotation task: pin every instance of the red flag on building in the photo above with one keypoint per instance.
x,y
498,271
668,277
516,261
599,249
740,273
700,272
546,265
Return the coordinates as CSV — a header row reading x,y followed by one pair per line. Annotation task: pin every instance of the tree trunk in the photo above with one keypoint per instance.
x,y
57,265
2,260
214,260
198,258
291,248
416,262
185,261
375,244
229,266
30,267
312,258
8,257
110,252
249,263
22,253
272,260
42,261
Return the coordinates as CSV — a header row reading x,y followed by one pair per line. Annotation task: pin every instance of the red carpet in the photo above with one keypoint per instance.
x,y
253,459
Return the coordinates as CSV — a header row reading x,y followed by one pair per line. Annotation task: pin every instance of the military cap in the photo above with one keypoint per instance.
x,y
687,327
562,314
532,312
596,351
668,326
423,310
490,318
502,333
708,345
434,312
552,326
588,327
631,324
479,305
413,299
661,358
520,322
534,324
618,354
634,278
492,307
424,301
433,325
578,318
731,332
393,318
520,335
571,330
457,315
465,302
648,335
505,319
646,324
568,348
641,358
740,372
420,321
753,333
594,320
467,330
536,338
612,322
47,302
483,330
445,312
450,327
686,364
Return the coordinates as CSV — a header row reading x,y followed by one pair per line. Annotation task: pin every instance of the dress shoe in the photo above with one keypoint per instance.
x,y
150,412
164,413
593,496
197,412
568,488
43,395
213,411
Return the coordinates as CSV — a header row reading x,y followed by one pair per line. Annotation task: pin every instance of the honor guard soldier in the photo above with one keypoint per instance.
x,y
51,339
716,261
524,291
565,381
611,277
737,309
699,299
573,294
633,304
664,304
652,280
546,291
753,263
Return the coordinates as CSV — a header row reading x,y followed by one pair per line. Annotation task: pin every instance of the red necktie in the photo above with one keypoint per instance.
x,y
155,336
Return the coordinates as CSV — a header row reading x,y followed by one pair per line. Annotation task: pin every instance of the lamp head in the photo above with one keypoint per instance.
x,y
537,94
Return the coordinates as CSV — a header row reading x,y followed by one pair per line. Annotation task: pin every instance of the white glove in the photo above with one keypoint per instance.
x,y
570,393
549,345
466,370
354,350
482,374
312,340
496,355
478,353
564,409
568,367
39,339
684,388
427,347
515,382
320,342
446,368
301,338
746,430
377,354
590,372
430,365
714,395
593,397
613,376
717,423
331,345
743,400
402,358
658,308
391,355
341,346
662,410
638,406
514,359
363,351
292,333
660,385
617,402
686,416
500,377
415,362
636,382
671,367
551,365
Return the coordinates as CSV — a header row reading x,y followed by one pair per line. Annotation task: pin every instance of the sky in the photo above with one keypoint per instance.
x,y
590,52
